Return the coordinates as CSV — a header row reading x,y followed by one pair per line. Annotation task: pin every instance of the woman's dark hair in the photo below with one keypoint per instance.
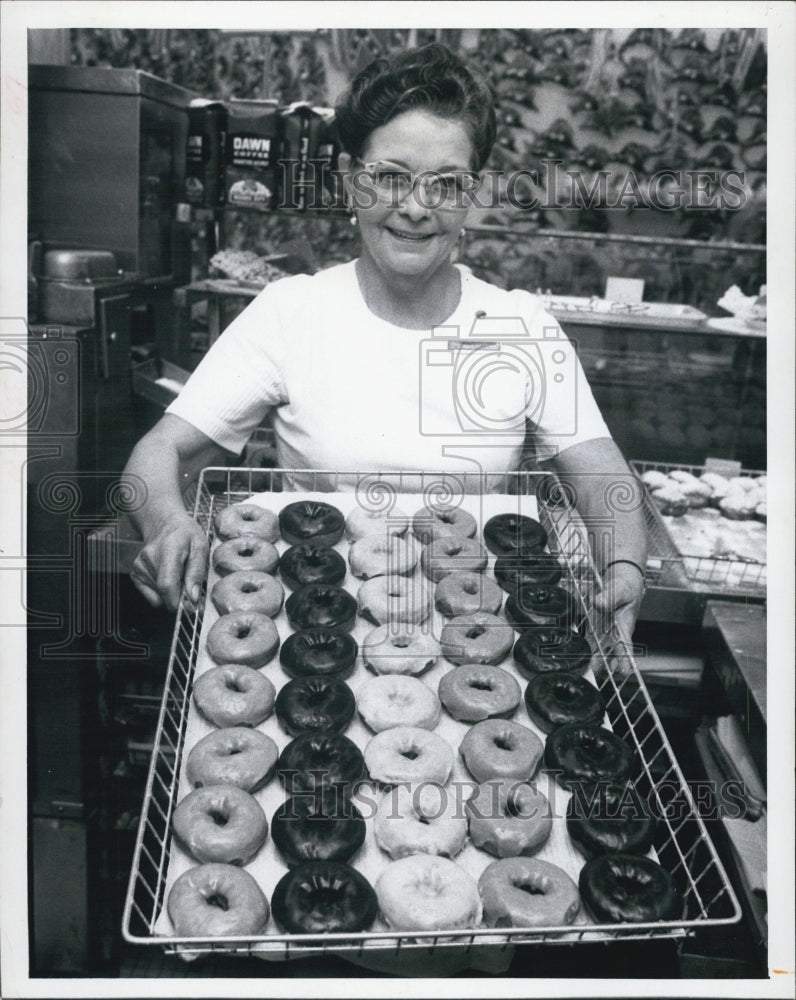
x,y
431,78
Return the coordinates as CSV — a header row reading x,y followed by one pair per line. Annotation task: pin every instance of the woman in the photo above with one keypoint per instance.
x,y
346,363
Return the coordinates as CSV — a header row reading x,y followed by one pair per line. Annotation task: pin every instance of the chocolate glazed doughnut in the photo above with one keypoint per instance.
x,y
551,650
323,897
324,760
319,826
587,753
620,888
315,705
557,699
506,533
328,652
530,607
311,563
517,570
606,818
321,604
311,521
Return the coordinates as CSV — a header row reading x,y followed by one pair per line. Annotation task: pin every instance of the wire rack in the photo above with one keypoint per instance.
x,y
669,567
682,843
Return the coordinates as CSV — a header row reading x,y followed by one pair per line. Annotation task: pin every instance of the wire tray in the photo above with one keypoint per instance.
x,y
669,567
682,843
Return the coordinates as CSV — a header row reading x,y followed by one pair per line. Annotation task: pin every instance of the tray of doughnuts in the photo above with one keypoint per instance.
x,y
393,721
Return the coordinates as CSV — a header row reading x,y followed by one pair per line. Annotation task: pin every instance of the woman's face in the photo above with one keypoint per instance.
x,y
414,235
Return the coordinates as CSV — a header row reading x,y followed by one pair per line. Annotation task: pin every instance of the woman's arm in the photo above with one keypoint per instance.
x,y
608,498
167,459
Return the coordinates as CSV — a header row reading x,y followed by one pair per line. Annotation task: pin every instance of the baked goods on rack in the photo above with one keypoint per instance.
x,y
324,826
248,590
580,752
420,819
476,638
465,593
509,818
425,892
245,552
606,818
324,897
381,555
531,607
243,637
318,604
505,534
392,700
246,519
551,650
451,553
627,888
220,823
527,892
408,754
474,692
310,563
361,522
395,599
499,748
311,521
315,704
217,900
434,521
245,267
557,699
317,760
399,649
234,695
237,755
330,652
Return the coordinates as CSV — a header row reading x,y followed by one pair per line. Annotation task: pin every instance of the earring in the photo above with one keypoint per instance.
x,y
353,219
462,232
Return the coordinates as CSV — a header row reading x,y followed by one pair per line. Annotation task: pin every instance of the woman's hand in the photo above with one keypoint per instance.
x,y
623,590
173,557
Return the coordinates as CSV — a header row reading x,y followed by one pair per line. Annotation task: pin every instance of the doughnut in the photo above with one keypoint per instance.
x,y
311,521
243,637
326,759
432,522
234,695
246,552
321,604
527,892
530,607
578,752
323,897
408,753
517,571
497,748
246,519
394,599
330,652
399,649
217,900
450,553
653,479
506,533
551,650
475,692
421,819
557,699
309,563
246,590
476,638
235,756
381,555
509,818
425,892
463,593
220,823
606,819
397,700
626,888
361,522
323,825
315,704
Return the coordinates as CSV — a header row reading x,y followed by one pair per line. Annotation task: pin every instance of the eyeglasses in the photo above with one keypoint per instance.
x,y
391,182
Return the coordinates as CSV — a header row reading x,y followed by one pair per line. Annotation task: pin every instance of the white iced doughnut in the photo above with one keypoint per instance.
x,y
452,553
397,700
381,555
394,599
408,753
361,522
420,819
428,893
399,649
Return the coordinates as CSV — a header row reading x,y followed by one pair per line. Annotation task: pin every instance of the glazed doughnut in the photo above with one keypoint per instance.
x,y
551,650
394,599
497,748
245,553
477,638
606,819
315,704
381,555
326,759
220,823
587,753
321,604
246,590
309,563
530,607
246,519
311,521
557,699
234,695
408,753
462,593
517,571
432,522
451,553
217,900
243,637
397,700
475,692
509,818
320,826
323,897
527,892
399,649
235,756
330,652
361,522
423,819
425,892
505,533
627,888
